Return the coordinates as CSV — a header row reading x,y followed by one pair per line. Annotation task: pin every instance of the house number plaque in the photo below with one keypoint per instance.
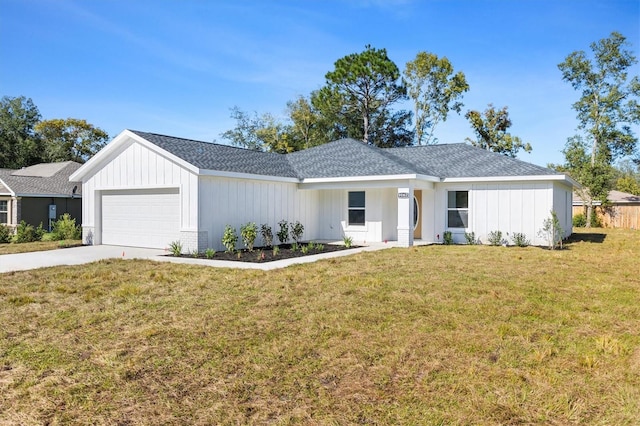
x,y
403,195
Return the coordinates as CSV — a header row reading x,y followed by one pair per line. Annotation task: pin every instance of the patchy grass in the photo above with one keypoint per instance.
x,y
12,248
426,335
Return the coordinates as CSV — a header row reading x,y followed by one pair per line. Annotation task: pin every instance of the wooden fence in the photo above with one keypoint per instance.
x,y
615,216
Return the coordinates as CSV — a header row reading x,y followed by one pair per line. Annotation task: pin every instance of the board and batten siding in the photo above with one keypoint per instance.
x,y
507,207
381,215
231,201
137,167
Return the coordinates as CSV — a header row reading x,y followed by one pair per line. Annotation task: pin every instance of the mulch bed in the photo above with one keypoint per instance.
x,y
265,254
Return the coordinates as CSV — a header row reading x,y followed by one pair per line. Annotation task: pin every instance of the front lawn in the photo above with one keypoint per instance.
x,y
12,248
426,335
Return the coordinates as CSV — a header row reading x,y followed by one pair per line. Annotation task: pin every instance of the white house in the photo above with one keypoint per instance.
x,y
147,190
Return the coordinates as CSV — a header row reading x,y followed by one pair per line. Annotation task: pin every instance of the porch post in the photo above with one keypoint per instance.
x,y
405,214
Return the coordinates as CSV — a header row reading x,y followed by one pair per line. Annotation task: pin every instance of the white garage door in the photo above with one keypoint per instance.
x,y
141,218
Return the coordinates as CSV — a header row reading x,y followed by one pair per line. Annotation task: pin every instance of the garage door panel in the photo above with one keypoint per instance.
x,y
141,218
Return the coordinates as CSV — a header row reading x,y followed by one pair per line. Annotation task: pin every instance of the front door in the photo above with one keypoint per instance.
x,y
417,213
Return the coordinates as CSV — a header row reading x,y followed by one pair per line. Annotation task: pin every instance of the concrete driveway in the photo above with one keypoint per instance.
x,y
72,256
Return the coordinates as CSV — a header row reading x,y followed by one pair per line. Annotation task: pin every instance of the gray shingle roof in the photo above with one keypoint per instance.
x,y
212,156
49,179
346,157
462,160
349,157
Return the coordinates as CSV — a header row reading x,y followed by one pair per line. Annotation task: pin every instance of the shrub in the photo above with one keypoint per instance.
x,y
175,248
267,235
66,229
294,246
276,250
447,238
520,239
348,241
319,246
580,220
229,239
5,234
283,233
209,253
495,238
471,238
249,233
296,231
552,231
595,219
310,246
26,233
304,249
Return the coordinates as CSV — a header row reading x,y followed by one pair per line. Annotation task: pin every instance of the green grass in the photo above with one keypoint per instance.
x,y
426,335
13,248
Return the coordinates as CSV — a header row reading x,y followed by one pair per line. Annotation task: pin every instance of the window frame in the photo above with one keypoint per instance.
x,y
357,208
5,211
456,208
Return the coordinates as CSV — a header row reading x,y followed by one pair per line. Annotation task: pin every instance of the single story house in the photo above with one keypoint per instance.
x,y
147,190
622,210
40,193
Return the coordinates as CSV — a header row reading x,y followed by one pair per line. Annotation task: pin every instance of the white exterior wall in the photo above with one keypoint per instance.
x,y
563,206
136,167
507,207
381,211
235,202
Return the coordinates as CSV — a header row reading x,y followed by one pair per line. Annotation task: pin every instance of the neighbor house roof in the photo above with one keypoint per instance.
x,y
41,180
614,197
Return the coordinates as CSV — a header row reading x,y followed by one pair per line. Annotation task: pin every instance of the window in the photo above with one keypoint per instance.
x,y
4,211
356,208
458,209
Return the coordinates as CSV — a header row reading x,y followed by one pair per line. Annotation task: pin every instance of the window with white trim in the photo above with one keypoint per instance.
x,y
4,211
356,208
458,209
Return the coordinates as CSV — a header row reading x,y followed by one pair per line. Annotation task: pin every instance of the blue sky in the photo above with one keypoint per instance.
x,y
177,67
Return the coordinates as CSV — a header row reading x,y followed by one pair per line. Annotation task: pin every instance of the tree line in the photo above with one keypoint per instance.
x,y
606,110
26,139
359,100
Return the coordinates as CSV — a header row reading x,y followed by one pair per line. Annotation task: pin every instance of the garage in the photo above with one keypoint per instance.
x,y
141,218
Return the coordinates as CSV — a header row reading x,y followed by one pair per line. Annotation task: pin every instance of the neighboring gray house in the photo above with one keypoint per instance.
x,y
27,194
147,190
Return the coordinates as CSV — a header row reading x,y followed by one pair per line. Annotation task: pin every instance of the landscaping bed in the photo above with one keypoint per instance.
x,y
270,254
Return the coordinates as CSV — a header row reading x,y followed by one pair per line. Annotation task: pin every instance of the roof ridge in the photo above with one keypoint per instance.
x,y
140,132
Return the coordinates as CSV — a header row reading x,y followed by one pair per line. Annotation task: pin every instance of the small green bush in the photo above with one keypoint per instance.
x,y
580,220
595,220
175,248
209,253
319,246
304,249
447,238
229,239
471,238
66,229
283,233
495,238
267,235
276,250
249,233
5,234
520,239
26,233
348,241
296,231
